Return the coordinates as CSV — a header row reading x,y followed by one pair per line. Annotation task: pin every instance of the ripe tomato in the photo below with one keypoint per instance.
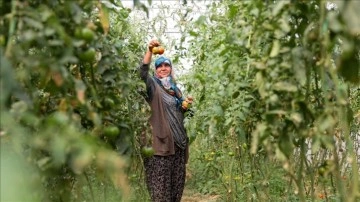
x,y
158,50
185,105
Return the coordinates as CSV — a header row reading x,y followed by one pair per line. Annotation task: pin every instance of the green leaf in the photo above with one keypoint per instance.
x,y
349,68
217,109
44,163
334,22
255,12
351,16
279,6
326,123
284,25
260,82
284,86
228,121
104,18
275,48
8,82
299,65
34,23
233,10
296,118
193,33
201,20
18,108
285,145
58,149
19,179
256,135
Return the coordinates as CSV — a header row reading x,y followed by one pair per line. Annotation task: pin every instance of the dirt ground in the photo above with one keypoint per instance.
x,y
190,197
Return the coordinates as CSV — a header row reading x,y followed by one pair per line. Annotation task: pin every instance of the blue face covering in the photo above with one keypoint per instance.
x,y
161,60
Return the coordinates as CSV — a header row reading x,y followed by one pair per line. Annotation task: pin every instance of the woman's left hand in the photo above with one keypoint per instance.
x,y
189,99
187,102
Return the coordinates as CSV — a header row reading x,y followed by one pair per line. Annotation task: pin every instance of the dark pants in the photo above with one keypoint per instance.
x,y
165,176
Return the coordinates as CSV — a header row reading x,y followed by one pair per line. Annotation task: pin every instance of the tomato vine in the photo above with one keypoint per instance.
x,y
278,77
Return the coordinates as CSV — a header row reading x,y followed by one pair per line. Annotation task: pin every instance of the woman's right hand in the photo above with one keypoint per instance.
x,y
147,57
153,43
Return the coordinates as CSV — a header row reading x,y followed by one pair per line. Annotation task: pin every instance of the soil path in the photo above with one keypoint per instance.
x,y
188,196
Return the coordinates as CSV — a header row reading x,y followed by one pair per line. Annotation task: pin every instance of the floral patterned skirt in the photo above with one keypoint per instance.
x,y
165,176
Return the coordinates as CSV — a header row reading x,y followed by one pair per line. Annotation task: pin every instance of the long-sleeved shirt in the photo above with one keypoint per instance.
x,y
166,118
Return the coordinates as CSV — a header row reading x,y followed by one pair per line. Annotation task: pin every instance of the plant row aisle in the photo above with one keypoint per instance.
x,y
276,88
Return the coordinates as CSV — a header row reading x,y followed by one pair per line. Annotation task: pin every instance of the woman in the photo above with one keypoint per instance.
x,y
165,170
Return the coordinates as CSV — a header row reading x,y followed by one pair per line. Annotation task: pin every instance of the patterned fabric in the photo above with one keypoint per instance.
x,y
175,118
171,89
165,176
166,82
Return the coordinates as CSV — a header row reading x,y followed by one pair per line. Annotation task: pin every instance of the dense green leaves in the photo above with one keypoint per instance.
x,y
275,86
67,92
298,58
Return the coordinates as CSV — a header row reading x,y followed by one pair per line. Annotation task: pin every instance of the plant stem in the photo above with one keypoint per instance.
x,y
90,187
11,29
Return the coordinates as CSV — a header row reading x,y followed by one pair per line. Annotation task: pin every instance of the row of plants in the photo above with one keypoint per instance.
x,y
70,101
277,100
275,84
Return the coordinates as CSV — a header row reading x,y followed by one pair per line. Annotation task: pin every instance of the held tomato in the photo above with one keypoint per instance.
x,y
185,105
158,50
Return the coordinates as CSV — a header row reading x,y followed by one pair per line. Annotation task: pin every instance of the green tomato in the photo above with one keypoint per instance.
x,y
108,102
77,33
147,151
322,171
59,119
111,131
88,55
87,34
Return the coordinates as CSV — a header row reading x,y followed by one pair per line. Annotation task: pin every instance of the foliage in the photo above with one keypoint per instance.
x,y
280,77
275,86
69,100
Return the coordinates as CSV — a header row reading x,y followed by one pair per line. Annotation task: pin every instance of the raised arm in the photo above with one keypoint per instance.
x,y
144,68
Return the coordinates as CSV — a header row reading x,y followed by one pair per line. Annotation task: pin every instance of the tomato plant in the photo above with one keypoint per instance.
x,y
281,77
69,100
275,85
